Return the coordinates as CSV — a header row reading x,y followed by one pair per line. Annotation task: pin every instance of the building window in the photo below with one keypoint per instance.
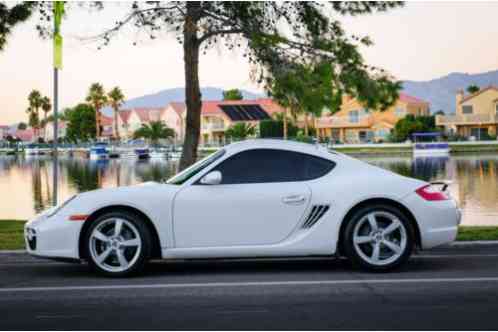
x,y
496,108
381,133
467,109
479,133
399,112
354,116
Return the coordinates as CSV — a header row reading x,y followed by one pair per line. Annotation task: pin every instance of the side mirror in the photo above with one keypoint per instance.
x,y
212,178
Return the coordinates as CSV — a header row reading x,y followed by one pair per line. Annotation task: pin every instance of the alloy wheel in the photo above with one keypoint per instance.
x,y
115,244
380,238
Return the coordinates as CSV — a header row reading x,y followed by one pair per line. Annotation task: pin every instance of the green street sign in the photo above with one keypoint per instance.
x,y
58,12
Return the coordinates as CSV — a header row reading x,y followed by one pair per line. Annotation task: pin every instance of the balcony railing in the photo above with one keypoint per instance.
x,y
466,119
212,126
344,121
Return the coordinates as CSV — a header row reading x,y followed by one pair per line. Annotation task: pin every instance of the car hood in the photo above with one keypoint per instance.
x,y
143,196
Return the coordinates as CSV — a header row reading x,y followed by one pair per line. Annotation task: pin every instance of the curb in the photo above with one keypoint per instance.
x,y
473,243
19,251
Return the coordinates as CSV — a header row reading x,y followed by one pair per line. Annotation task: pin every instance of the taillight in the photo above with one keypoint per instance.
x,y
429,193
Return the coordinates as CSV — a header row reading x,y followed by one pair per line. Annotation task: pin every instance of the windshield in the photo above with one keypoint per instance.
x,y
189,172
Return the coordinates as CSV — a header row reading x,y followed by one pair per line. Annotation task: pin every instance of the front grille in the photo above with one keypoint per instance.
x,y
317,211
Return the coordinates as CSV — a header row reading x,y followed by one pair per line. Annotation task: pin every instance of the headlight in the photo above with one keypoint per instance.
x,y
60,206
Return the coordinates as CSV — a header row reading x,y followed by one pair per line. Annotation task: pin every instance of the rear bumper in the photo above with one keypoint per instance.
x,y
437,220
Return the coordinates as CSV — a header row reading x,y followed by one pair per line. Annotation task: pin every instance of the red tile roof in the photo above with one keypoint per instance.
x,y
491,87
210,107
146,114
125,115
410,99
178,107
26,135
106,120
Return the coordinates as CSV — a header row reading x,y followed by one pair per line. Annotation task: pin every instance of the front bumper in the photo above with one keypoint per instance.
x,y
52,237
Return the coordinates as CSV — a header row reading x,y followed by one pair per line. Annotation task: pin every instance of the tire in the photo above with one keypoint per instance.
x,y
117,244
379,248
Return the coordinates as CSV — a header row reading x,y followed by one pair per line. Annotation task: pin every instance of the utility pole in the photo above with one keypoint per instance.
x,y
58,12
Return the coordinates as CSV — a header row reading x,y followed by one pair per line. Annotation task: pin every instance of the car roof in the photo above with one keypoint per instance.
x,y
279,144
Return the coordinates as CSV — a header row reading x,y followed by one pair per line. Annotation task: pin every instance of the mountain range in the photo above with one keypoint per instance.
x,y
163,97
439,92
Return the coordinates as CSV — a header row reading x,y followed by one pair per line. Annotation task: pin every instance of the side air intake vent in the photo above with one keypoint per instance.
x,y
317,211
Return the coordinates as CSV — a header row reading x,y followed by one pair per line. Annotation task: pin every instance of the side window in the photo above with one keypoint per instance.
x,y
317,167
270,165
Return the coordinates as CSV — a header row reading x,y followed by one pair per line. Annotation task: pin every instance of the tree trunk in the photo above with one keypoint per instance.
x,y
316,129
97,123
45,127
285,123
192,89
306,131
116,128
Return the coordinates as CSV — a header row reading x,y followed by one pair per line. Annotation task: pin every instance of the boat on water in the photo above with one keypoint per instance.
x,y
158,154
142,153
136,153
429,144
99,152
33,150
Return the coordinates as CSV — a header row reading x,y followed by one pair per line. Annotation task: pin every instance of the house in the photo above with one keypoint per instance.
x,y
4,130
129,120
476,114
219,115
354,123
48,132
107,126
216,117
26,135
174,117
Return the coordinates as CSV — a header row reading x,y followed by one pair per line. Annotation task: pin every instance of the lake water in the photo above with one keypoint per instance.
x,y
26,183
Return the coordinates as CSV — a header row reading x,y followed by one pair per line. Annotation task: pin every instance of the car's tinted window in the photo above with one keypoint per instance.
x,y
269,165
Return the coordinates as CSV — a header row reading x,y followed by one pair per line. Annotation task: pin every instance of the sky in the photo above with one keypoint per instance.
x,y
421,41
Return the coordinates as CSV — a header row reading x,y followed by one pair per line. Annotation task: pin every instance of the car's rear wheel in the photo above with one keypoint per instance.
x,y
379,238
118,244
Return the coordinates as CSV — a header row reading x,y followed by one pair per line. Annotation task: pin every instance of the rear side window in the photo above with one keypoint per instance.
x,y
317,167
270,165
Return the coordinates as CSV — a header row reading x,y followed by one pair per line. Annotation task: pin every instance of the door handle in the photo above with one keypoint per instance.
x,y
294,199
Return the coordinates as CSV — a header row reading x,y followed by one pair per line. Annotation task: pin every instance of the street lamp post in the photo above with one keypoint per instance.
x,y
58,11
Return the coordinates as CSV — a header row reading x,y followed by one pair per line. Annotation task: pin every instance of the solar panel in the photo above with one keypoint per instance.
x,y
244,112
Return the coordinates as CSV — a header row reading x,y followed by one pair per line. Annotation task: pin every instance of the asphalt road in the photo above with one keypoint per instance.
x,y
445,289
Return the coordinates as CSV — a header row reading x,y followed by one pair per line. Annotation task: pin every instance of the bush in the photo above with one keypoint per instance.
x,y
275,129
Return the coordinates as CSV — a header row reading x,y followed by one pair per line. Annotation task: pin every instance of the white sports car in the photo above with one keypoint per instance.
x,y
259,198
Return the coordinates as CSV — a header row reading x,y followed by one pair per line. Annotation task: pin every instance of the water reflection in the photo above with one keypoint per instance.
x,y
26,183
474,180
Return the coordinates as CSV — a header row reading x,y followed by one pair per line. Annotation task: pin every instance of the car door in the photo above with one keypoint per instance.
x,y
260,200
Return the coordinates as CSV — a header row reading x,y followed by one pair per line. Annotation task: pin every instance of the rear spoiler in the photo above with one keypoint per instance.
x,y
444,184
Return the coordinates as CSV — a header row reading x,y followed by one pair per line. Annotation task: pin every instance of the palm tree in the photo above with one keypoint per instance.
x,y
46,106
154,131
240,131
35,102
116,99
473,88
97,98
33,119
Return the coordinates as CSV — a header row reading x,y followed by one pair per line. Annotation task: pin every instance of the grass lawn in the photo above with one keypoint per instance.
x,y
11,234
477,233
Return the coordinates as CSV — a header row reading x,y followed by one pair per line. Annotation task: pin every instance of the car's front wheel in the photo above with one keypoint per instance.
x,y
379,238
118,244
